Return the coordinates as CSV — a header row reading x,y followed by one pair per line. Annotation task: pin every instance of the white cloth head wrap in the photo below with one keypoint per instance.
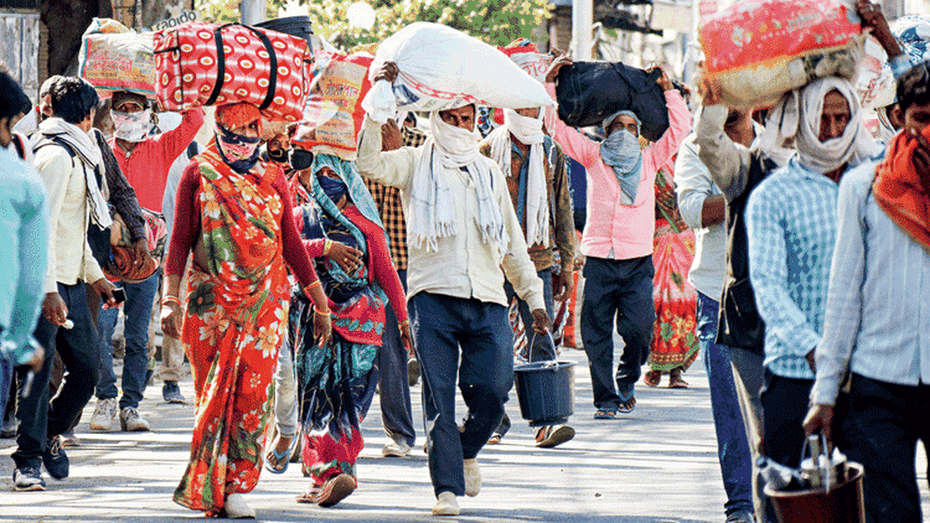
x,y
528,131
797,115
432,205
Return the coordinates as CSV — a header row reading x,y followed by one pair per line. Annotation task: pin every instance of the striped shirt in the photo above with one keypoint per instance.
x,y
791,223
878,310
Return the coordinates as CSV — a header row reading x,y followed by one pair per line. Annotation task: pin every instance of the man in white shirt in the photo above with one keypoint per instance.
x,y
462,229
70,164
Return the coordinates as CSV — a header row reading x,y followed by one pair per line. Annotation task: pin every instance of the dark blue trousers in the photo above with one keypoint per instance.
x,y
473,341
785,402
38,418
621,291
396,413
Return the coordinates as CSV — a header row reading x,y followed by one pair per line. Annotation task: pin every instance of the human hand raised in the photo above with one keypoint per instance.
x,y
561,60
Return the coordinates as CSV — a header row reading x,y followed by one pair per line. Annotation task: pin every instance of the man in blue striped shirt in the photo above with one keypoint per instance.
x,y
878,314
791,224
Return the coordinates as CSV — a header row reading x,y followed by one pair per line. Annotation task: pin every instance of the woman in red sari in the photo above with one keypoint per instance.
x,y
674,339
234,213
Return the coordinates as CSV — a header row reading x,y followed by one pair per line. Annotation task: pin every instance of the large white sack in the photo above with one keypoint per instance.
x,y
442,68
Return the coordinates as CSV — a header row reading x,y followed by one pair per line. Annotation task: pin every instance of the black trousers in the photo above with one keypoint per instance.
x,y
881,432
784,404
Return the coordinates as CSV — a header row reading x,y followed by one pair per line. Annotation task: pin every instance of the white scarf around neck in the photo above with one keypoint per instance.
x,y
432,204
528,131
797,115
89,154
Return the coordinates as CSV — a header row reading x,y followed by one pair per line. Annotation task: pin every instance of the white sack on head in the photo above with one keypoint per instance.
x,y
442,68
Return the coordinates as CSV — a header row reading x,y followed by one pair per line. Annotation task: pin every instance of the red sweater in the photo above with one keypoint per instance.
x,y
148,163
380,266
187,228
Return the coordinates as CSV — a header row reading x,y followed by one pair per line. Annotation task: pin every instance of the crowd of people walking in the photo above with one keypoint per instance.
x,y
786,246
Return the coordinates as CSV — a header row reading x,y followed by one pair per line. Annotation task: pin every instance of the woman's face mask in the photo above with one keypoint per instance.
x,y
132,127
240,152
334,188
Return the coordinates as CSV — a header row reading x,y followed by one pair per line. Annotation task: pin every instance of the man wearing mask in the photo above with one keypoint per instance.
x,y
463,238
791,225
618,240
70,164
145,160
536,171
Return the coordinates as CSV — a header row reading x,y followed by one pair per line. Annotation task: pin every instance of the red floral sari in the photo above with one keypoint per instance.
x,y
674,339
236,313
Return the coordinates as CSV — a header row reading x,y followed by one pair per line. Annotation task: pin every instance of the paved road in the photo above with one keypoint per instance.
x,y
657,465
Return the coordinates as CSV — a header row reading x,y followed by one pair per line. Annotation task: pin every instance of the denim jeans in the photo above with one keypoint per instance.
x,y
40,419
447,329
618,290
138,313
396,412
732,445
542,348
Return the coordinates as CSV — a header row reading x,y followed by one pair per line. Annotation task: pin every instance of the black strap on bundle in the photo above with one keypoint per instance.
x,y
221,65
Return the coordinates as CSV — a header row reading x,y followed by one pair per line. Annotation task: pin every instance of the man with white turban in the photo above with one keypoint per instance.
x,y
463,238
792,226
537,176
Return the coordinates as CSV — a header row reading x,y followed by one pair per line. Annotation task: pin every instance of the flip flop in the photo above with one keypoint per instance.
x,y
279,457
311,496
605,414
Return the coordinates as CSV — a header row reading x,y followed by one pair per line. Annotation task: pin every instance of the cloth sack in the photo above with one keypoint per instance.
x,y
759,50
200,64
120,265
442,68
116,58
588,92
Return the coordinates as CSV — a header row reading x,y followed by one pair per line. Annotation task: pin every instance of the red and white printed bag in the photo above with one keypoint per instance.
x,y
191,57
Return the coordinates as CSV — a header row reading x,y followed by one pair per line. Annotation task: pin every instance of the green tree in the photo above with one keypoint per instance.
x,y
497,22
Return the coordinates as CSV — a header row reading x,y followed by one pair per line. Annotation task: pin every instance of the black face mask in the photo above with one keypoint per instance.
x,y
278,155
301,159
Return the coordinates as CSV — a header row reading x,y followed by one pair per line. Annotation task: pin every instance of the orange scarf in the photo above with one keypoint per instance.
x,y
900,191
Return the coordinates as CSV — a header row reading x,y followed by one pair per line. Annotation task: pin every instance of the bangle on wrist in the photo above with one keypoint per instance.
x,y
310,287
321,312
327,245
168,300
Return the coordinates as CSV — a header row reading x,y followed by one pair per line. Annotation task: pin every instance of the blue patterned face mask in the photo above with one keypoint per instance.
x,y
333,188
622,152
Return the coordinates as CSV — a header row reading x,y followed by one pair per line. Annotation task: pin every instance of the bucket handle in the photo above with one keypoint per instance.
x,y
529,351
806,451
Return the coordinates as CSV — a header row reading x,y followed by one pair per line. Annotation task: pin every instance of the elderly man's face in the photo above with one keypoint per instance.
x,y
624,121
463,117
835,116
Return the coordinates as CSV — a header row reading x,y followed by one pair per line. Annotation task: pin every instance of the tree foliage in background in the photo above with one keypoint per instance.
x,y
497,22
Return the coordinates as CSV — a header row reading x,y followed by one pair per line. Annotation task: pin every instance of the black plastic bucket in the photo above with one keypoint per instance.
x,y
546,391
299,26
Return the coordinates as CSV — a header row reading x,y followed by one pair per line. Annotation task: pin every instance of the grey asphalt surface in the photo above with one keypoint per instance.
x,y
655,465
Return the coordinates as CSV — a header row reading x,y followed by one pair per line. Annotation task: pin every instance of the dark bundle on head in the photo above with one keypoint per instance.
x,y
73,99
914,87
13,101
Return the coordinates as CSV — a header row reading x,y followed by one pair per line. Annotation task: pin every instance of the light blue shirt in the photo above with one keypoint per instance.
x,y
23,254
791,223
878,310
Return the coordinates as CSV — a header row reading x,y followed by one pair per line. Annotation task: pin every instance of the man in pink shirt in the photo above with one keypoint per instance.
x,y
617,240
145,160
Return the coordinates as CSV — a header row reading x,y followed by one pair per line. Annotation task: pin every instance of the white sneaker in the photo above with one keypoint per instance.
x,y
396,449
236,508
472,478
130,420
104,413
446,505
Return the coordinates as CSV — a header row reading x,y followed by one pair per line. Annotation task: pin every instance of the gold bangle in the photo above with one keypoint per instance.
x,y
171,299
327,312
327,246
311,286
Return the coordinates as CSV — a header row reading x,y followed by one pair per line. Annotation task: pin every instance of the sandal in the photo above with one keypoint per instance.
x,y
627,406
652,378
605,414
335,490
311,496
675,381
274,459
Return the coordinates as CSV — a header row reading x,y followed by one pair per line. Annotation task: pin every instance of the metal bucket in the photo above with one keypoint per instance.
x,y
546,391
841,504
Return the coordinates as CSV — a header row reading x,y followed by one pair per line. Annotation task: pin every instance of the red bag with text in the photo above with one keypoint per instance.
x,y
201,64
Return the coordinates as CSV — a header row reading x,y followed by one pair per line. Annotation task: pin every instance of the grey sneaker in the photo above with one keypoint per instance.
x,y
172,393
741,516
130,420
28,479
104,413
